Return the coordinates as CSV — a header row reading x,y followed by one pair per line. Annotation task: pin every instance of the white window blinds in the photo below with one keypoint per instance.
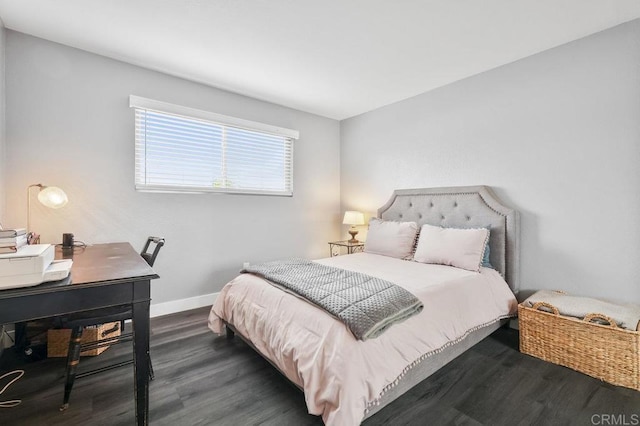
x,y
186,150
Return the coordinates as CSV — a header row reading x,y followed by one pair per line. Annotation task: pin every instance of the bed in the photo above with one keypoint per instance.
x,y
347,380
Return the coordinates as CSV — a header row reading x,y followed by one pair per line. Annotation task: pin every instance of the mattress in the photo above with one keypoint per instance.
x,y
343,378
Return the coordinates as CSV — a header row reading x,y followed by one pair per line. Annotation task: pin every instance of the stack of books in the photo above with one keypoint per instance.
x,y
12,239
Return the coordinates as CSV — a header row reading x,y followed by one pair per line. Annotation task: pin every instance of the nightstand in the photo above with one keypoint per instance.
x,y
335,247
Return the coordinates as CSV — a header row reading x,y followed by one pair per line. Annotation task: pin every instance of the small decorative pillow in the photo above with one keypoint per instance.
x,y
486,259
462,248
394,239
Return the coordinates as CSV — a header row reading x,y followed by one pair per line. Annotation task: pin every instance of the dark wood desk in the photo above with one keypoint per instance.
x,y
102,275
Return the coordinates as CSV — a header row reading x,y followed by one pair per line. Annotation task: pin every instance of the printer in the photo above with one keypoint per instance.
x,y
32,265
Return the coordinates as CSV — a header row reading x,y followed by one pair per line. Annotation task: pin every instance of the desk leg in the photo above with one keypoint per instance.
x,y
141,350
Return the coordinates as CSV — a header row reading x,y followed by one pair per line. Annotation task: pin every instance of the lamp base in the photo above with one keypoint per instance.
x,y
353,233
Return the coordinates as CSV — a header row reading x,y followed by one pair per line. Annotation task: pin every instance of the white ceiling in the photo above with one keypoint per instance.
x,y
336,58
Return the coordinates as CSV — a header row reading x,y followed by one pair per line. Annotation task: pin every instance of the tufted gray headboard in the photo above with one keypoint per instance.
x,y
464,207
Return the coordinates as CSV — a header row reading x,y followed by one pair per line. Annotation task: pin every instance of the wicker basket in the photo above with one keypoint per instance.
x,y
58,339
606,352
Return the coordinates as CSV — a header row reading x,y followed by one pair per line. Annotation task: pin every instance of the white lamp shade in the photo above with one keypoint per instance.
x,y
353,218
52,197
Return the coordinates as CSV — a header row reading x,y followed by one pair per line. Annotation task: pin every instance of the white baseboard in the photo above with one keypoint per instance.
x,y
174,306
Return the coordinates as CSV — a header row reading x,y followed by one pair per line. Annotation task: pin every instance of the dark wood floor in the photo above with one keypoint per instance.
x,y
205,380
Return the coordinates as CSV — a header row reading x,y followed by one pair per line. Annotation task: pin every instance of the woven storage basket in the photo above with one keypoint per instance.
x,y
58,339
606,352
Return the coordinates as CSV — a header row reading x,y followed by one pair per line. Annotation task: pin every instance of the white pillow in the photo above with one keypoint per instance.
x,y
394,239
462,248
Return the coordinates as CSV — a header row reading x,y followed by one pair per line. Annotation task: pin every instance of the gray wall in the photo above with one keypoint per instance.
x,y
556,134
2,123
69,125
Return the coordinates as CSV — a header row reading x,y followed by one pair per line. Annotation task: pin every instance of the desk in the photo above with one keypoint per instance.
x,y
102,275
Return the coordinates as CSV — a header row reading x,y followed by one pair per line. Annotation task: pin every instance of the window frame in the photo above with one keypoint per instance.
x,y
140,103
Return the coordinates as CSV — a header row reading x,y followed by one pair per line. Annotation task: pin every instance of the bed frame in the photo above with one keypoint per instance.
x,y
460,207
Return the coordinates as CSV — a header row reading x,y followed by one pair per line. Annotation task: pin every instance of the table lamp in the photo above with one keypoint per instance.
x,y
49,196
353,218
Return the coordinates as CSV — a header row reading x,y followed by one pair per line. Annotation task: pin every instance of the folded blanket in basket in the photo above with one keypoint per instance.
x,y
365,304
627,316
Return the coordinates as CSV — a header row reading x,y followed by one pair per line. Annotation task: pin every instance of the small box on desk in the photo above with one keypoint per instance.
x,y
58,339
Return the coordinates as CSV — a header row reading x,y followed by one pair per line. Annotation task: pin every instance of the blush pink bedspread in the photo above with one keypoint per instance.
x,y
342,376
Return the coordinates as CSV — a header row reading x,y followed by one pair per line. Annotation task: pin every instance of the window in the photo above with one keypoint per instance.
x,y
180,149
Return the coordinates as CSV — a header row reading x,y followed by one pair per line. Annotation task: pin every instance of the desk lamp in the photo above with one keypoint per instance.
x,y
49,196
353,218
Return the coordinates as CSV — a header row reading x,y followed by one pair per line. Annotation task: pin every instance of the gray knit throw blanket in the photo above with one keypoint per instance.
x,y
366,305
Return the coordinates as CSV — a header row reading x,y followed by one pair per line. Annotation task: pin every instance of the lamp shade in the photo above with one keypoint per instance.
x,y
353,218
52,197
